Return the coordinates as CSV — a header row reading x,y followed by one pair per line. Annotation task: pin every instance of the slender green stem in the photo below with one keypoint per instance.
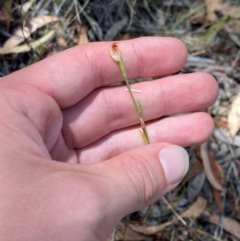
x,y
137,104
116,55
124,74
148,212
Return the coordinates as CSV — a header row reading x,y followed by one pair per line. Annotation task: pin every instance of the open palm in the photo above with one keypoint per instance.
x,y
65,111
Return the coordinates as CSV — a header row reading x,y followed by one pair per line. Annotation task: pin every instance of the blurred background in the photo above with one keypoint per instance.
x,y
205,206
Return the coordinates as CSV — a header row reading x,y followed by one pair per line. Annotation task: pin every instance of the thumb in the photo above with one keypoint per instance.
x,y
141,176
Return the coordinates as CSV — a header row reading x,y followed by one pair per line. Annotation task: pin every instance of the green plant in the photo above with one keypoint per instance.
x,y
116,56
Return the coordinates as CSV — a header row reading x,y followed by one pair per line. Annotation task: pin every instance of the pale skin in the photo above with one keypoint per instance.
x,y
72,161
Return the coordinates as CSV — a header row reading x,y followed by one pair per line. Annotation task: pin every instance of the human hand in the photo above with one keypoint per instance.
x,y
72,161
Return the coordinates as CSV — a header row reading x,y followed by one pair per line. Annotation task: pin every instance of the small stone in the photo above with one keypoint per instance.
x,y
183,202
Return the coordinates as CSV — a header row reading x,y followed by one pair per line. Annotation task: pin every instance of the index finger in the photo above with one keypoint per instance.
x,y
72,74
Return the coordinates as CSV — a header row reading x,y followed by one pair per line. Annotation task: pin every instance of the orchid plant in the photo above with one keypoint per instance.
x,y
116,56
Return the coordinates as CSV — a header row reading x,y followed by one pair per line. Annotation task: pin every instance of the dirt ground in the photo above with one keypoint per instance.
x,y
205,206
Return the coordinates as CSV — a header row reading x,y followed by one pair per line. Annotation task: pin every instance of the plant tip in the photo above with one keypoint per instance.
x,y
115,52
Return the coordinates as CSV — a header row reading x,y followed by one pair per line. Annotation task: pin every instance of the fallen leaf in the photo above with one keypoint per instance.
x,y
214,173
234,116
194,170
22,34
221,123
62,42
26,47
217,169
82,37
206,160
26,6
218,173
228,224
218,199
192,212
213,6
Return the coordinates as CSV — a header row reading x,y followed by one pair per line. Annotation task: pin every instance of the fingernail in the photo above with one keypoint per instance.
x,y
175,163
